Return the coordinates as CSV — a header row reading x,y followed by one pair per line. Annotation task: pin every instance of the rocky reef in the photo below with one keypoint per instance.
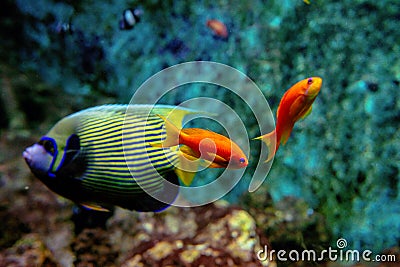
x,y
39,231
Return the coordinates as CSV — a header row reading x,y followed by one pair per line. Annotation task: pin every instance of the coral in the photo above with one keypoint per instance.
x,y
290,224
220,237
28,251
93,248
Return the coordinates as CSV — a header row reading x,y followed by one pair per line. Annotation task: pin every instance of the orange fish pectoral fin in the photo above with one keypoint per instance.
x,y
212,165
296,107
172,134
218,159
306,113
187,151
270,141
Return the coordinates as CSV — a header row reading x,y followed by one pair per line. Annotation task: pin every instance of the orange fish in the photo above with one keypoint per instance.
x,y
295,104
218,27
217,150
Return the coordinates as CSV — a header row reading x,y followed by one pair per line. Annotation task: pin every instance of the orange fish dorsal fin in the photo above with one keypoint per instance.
x,y
202,132
270,140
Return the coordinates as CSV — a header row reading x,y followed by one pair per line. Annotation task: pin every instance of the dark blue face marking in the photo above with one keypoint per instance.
x,y
50,145
72,148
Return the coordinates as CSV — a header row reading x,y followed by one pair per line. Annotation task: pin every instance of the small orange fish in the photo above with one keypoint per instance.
x,y
218,28
295,104
218,150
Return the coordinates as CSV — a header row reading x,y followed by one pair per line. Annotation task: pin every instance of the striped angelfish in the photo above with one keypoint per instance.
x,y
101,157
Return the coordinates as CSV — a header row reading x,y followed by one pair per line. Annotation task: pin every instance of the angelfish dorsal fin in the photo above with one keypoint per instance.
x,y
173,133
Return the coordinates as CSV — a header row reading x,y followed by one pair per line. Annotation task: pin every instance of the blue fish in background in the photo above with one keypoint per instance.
x,y
100,157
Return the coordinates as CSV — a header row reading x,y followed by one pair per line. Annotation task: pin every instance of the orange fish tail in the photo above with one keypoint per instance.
x,y
272,143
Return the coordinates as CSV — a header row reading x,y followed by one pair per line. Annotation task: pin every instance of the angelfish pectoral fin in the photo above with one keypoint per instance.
x,y
93,206
187,168
270,140
185,176
157,144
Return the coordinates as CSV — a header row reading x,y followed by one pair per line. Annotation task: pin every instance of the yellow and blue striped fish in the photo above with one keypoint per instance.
x,y
100,157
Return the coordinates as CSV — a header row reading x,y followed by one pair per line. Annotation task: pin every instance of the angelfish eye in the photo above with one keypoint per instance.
x,y
48,146
242,160
309,81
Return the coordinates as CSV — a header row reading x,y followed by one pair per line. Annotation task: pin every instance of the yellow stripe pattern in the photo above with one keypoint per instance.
x,y
118,155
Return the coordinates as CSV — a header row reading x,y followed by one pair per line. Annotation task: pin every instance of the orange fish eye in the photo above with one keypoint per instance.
x,y
242,160
309,81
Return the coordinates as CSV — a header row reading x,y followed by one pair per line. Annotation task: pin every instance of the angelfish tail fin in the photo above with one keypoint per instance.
x,y
271,142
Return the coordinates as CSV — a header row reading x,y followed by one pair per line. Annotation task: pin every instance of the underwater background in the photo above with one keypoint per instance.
x,y
337,177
